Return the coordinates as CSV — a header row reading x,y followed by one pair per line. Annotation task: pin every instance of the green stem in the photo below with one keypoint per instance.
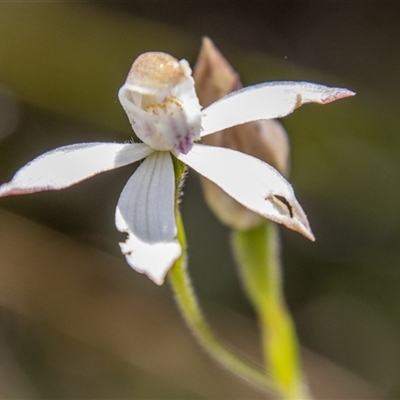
x,y
257,252
194,317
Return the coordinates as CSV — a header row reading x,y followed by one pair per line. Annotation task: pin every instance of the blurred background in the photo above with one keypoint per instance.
x,y
77,322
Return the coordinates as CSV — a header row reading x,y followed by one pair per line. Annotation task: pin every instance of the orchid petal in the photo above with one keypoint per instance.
x,y
266,101
68,165
251,182
146,212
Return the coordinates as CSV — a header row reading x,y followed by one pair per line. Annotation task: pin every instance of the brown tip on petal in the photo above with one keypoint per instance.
x,y
339,93
306,231
301,227
156,71
8,190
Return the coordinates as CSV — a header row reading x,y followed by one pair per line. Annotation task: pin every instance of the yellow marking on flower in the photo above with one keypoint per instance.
x,y
165,106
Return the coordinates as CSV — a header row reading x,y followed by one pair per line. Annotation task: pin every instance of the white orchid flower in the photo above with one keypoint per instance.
x,y
160,101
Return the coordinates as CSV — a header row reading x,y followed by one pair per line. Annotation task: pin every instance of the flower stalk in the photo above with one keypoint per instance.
x,y
257,253
190,309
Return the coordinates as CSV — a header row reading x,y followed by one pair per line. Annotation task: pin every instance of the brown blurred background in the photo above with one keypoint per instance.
x,y
77,322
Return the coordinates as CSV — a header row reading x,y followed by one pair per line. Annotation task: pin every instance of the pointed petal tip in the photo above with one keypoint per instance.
x,y
8,189
299,221
156,275
159,280
309,235
5,190
337,94
299,224
11,189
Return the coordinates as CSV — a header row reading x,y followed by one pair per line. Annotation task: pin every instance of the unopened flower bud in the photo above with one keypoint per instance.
x,y
266,139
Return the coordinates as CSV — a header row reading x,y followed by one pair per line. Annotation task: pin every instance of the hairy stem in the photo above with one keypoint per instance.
x,y
190,309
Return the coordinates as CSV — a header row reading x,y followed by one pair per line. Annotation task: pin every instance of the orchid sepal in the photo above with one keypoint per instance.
x,y
266,100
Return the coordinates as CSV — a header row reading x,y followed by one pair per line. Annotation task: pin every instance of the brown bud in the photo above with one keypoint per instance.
x,y
266,140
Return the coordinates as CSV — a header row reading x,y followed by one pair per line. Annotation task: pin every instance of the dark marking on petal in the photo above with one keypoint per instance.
x,y
284,201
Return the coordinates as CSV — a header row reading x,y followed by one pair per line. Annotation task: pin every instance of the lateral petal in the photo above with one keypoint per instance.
x,y
146,212
68,165
251,182
266,101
